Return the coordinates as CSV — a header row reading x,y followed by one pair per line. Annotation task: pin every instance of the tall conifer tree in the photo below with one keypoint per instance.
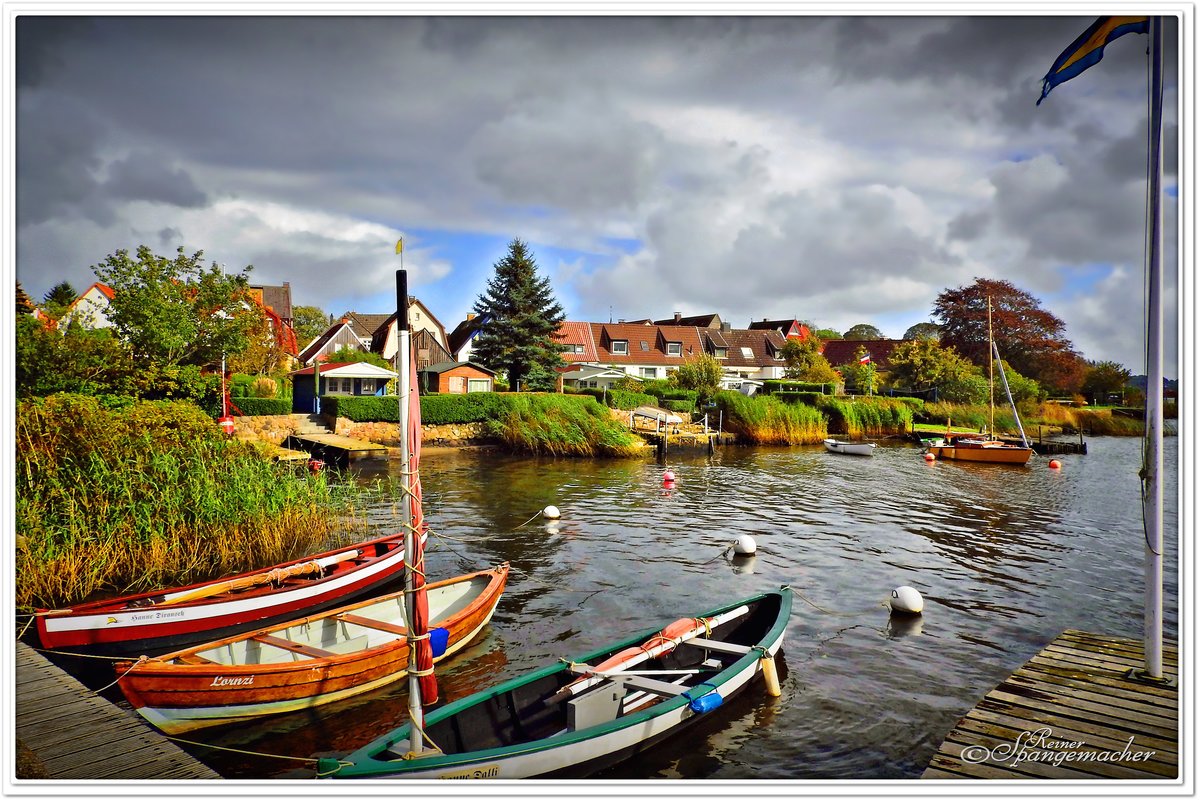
x,y
522,317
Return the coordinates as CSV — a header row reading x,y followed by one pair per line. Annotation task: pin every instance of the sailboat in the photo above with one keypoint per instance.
x,y
985,448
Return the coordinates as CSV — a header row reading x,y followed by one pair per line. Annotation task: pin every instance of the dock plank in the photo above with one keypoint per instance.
x,y
1097,722
76,734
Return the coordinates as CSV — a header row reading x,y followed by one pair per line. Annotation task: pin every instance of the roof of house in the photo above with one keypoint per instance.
x,y
844,351
330,333
570,333
443,367
465,331
697,320
647,343
747,348
384,329
276,298
349,370
365,325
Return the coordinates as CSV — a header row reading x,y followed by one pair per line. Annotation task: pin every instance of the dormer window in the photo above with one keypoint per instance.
x,y
674,348
620,346
719,352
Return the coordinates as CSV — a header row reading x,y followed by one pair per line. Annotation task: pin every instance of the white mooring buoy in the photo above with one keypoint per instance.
x,y
744,546
906,600
551,513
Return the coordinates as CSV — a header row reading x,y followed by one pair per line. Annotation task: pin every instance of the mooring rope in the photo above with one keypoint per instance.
x,y
241,750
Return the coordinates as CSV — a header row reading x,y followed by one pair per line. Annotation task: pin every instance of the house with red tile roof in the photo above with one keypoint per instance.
x,y
791,329
90,309
845,351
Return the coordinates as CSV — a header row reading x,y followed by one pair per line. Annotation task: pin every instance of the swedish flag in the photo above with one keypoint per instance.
x,y
1088,49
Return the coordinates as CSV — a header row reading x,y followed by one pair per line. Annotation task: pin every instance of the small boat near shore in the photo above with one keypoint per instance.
x,y
158,621
577,716
850,448
305,663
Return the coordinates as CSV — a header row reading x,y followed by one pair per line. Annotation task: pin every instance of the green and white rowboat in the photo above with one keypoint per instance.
x,y
574,718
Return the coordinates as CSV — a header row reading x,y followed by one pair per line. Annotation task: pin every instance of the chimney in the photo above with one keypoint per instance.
x,y
726,327
678,317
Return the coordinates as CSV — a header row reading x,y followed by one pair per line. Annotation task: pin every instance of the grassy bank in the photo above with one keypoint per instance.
x,y
766,420
562,425
1096,422
152,494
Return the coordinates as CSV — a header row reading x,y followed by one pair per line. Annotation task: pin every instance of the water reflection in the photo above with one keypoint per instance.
x,y
1005,558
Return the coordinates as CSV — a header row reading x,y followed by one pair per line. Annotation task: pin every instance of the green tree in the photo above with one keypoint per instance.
x,y
347,354
803,361
927,330
824,334
864,378
309,323
1028,336
1103,378
76,359
24,302
922,364
175,312
60,296
522,318
701,372
863,331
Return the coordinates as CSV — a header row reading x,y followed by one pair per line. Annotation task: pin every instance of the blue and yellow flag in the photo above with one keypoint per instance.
x,y
1088,49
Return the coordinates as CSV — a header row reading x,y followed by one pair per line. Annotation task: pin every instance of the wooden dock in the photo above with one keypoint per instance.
x,y
1071,712
75,734
336,448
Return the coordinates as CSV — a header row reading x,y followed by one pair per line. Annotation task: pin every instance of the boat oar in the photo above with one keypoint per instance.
x,y
245,582
662,645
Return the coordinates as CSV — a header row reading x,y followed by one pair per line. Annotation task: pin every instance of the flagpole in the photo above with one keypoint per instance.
x,y
1152,500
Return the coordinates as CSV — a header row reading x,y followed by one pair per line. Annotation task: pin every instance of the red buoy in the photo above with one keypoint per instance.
x,y
1055,464
226,424
929,457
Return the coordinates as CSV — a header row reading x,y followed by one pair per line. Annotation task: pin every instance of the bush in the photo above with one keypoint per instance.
x,y
867,416
811,398
619,399
681,406
766,420
255,407
362,408
562,426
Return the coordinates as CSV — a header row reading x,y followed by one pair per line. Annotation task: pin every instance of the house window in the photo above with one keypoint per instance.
x,y
719,353
620,346
478,385
366,386
339,386
674,348
747,353
457,385
649,372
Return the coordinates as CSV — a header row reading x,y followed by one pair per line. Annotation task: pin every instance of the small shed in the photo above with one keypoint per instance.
x,y
456,378
342,378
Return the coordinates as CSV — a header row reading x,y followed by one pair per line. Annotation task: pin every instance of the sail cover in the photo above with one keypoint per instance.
x,y
420,621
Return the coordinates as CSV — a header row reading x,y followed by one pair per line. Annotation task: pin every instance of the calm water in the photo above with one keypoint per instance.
x,y
1006,558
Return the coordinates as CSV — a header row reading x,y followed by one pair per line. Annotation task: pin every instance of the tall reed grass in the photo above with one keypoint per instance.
x,y
765,420
867,417
113,501
562,425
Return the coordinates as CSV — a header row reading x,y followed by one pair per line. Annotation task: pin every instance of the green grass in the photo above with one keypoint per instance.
x,y
561,425
112,501
765,420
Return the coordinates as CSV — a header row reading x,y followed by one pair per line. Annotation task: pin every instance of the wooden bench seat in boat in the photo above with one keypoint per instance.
x,y
295,647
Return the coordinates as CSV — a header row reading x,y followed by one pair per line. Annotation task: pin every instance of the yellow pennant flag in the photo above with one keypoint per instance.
x,y
400,245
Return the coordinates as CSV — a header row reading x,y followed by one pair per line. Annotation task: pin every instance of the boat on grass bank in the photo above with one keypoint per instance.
x,y
575,717
305,663
159,621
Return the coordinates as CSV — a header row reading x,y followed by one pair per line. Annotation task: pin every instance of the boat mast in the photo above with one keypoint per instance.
x,y
1152,499
991,377
403,389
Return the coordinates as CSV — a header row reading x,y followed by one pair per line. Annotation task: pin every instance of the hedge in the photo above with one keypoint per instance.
x,y
683,406
774,386
362,408
811,398
256,407
619,399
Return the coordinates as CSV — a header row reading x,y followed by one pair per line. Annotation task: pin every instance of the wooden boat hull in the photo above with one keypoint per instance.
x,y
523,728
156,622
991,452
320,659
850,448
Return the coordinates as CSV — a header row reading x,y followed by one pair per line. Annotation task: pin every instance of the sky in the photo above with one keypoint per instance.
x,y
833,169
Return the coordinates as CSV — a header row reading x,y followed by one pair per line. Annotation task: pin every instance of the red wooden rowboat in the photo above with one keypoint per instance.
x,y
304,663
165,620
